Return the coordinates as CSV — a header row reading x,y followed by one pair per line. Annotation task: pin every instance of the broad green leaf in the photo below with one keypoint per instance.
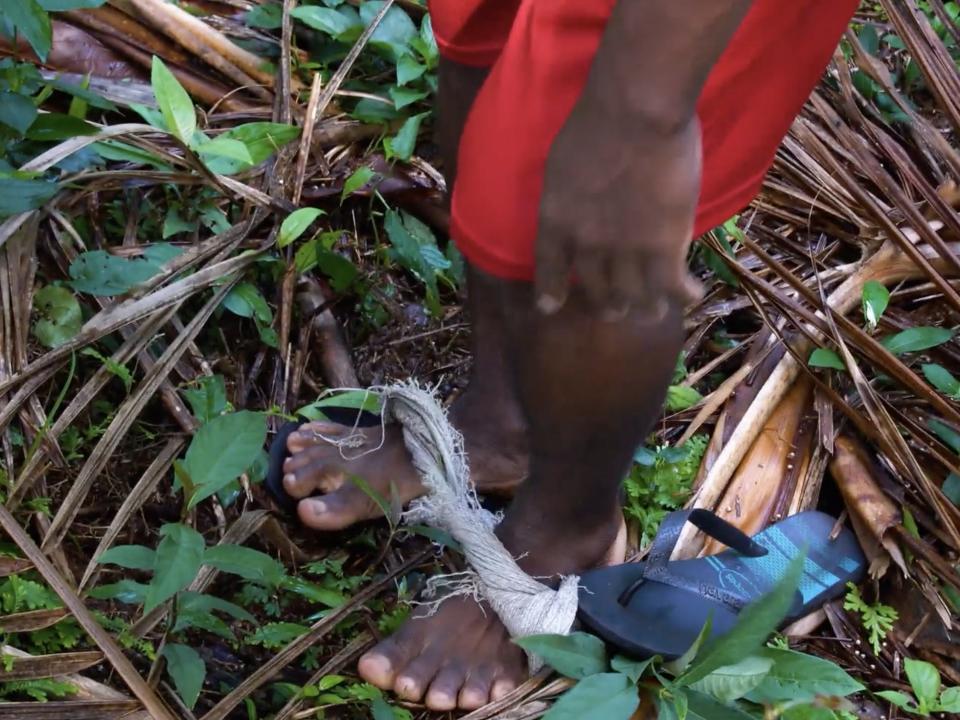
x,y
874,299
222,449
178,560
134,557
946,433
949,700
175,104
187,670
296,224
916,339
704,707
314,592
797,676
427,47
409,69
62,5
51,127
402,97
122,152
125,591
274,636
246,562
942,379
901,700
681,397
753,627
732,682
228,148
209,399
174,223
21,194
196,610
951,488
342,24
869,38
608,696
352,400
99,273
924,679
17,111
30,20
247,301
577,655
374,111
357,180
60,315
824,358
633,669
262,140
380,709
268,16
394,33
402,145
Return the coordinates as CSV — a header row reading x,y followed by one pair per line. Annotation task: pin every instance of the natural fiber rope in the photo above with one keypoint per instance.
x,y
525,605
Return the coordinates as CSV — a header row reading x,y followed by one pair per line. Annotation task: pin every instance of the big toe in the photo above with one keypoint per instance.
x,y
377,669
336,510
314,433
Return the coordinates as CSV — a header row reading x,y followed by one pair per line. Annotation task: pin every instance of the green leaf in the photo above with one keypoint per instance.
x,y
402,97
681,397
121,152
924,679
352,400
342,24
262,139
187,670
125,591
942,379
358,179
115,368
296,223
209,399
268,16
821,357
97,272
52,127
577,655
950,700
409,69
228,148
175,104
17,111
394,33
732,682
946,433
901,700
313,592
134,557
246,562
633,669
916,339
21,194
427,47
192,601
801,677
402,145
874,299
178,560
679,666
222,449
704,707
753,627
951,488
274,636
608,696
62,5
31,21
61,318
247,301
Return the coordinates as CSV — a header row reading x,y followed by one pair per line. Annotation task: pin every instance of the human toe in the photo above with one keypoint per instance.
x,y
476,690
444,691
413,681
336,510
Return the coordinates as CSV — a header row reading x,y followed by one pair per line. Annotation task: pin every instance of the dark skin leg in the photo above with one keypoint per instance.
x,y
590,389
487,413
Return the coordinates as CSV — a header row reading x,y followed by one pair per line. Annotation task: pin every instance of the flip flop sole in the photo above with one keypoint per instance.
x,y
660,619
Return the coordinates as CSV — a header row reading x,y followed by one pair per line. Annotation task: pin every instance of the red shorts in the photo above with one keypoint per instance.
x,y
541,51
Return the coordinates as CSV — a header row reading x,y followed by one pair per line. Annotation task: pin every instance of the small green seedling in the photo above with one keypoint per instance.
x,y
928,695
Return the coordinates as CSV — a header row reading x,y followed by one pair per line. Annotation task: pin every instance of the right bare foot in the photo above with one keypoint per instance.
x,y
495,443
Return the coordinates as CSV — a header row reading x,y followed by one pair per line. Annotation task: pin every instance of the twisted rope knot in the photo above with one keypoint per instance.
x,y
525,605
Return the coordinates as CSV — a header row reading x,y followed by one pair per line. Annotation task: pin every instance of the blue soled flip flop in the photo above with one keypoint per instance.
x,y
278,451
659,607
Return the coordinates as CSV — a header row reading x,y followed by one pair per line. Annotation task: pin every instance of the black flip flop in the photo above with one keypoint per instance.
x,y
278,450
658,607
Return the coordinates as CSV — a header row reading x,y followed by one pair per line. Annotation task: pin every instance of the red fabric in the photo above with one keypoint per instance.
x,y
541,51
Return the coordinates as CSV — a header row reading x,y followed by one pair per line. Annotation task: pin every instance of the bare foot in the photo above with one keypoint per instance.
x,y
461,657
495,442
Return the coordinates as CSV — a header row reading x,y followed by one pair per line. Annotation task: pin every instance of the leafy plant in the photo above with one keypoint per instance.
x,y
726,677
877,619
336,691
41,690
928,697
874,300
659,482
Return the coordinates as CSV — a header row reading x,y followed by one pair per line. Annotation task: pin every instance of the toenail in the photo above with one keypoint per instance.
x,y
319,507
289,479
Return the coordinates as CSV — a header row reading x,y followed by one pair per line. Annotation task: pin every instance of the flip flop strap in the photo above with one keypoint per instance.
x,y
656,567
